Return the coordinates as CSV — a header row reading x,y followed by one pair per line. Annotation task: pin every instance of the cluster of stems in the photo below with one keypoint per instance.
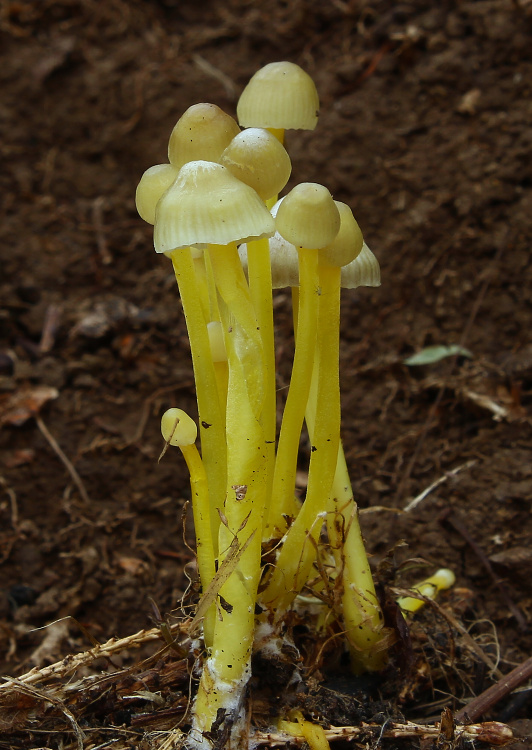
x,y
215,195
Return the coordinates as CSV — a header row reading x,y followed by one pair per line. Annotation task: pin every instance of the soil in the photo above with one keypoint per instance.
x,y
425,131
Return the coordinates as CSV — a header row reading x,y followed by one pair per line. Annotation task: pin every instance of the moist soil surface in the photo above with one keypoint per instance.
x,y
425,131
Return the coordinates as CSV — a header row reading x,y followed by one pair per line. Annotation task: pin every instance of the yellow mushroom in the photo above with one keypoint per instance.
x,y
309,219
280,96
202,132
153,183
180,430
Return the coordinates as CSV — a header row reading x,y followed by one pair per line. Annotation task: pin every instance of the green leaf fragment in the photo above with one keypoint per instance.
x,y
431,354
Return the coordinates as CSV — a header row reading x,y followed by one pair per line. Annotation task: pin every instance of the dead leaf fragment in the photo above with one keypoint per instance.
x,y
19,406
513,556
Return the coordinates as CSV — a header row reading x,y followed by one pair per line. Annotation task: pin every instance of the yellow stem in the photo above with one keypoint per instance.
x,y
278,133
298,553
201,276
222,377
226,670
202,524
234,290
260,287
211,420
284,478
361,611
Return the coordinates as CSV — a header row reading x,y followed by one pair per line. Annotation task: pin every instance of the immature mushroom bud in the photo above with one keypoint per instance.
x,y
280,95
153,183
256,157
178,428
442,579
308,216
207,205
202,132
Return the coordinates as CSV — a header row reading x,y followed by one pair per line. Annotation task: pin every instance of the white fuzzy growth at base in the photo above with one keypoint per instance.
x,y
267,640
228,696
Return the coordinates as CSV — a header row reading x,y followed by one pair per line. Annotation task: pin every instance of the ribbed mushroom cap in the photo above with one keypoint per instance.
x,y
202,132
257,158
178,428
279,95
153,183
348,242
308,217
364,270
207,205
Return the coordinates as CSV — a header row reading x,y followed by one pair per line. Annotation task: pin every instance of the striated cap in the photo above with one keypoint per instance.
x,y
308,217
348,242
202,132
207,205
364,270
279,95
153,183
178,428
257,158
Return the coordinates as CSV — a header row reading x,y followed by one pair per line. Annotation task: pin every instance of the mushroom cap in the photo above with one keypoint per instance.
x,y
364,270
202,132
348,242
153,183
178,428
257,158
207,205
279,95
308,216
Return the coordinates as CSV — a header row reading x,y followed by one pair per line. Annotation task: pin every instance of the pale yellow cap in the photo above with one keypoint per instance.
x,y
202,132
279,95
363,271
178,428
348,242
308,217
207,205
257,158
153,183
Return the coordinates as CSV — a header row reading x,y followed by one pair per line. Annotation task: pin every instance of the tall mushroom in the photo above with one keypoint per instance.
x,y
206,205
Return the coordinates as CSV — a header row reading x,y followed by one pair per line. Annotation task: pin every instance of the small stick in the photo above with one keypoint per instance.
x,y
458,526
495,693
68,464
416,500
49,330
492,731
97,221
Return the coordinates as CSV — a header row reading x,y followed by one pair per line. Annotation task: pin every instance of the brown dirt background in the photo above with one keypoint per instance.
x,y
425,130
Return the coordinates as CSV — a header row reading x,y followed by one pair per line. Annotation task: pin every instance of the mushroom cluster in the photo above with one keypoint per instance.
x,y
217,217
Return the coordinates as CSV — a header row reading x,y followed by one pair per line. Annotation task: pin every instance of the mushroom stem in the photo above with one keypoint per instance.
x,y
297,554
202,524
233,289
226,670
278,133
260,287
284,478
203,291
361,612
211,420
